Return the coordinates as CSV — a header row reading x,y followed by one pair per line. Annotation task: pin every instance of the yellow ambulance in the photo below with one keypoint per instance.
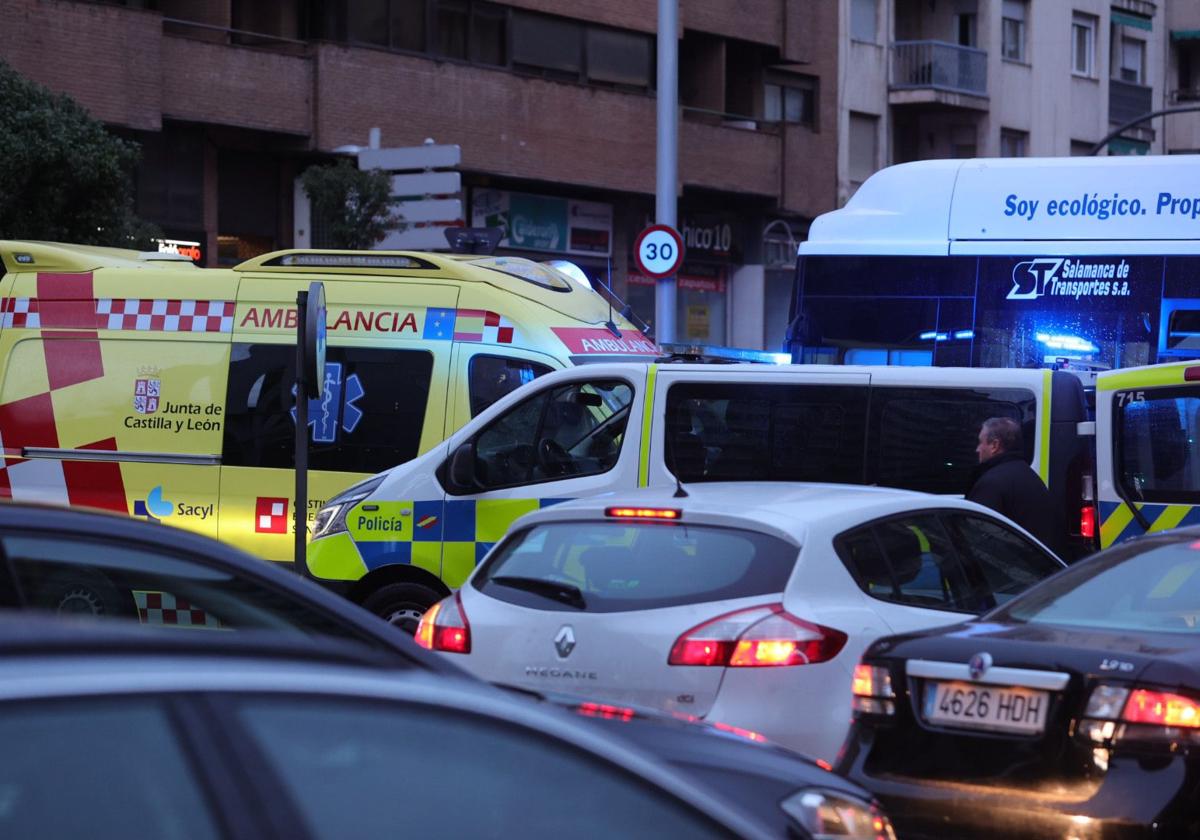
x,y
1147,450
139,383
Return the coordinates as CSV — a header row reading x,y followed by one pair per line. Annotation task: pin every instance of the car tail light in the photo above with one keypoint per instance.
x,y
605,711
642,513
1087,522
872,691
755,638
1117,715
444,627
1191,374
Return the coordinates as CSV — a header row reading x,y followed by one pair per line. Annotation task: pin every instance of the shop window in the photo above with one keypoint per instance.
x,y
546,45
170,177
619,58
371,420
794,102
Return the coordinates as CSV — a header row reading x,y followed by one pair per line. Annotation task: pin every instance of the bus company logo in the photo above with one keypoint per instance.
x,y
1033,279
146,389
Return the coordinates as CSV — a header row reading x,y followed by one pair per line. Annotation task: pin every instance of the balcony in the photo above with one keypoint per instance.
x,y
1126,101
937,72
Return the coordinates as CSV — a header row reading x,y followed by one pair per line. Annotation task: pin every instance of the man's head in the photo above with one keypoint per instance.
x,y
998,435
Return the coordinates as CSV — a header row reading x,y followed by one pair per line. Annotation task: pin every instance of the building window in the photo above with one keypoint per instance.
x,y
864,147
549,46
1132,66
1012,30
1013,143
862,20
470,31
396,24
1081,148
1083,45
793,102
619,57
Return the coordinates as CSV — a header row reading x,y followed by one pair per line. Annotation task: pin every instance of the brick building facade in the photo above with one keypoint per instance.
x,y
232,99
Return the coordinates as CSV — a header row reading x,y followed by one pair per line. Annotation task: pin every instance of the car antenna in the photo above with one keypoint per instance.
x,y
680,493
612,328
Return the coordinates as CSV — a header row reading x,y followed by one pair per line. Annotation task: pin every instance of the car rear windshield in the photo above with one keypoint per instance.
x,y
1137,587
619,566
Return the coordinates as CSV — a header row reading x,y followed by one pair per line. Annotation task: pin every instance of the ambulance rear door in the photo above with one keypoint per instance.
x,y
387,376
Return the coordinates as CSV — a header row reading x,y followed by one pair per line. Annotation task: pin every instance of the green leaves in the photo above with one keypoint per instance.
x,y
63,177
351,207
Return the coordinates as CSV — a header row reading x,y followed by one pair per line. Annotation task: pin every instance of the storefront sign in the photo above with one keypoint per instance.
x,y
545,223
191,250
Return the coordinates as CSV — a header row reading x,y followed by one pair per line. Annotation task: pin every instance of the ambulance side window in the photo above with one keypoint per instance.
x,y
369,419
566,432
492,377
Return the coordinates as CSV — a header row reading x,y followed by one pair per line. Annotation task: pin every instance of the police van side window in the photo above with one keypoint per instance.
x,y
1155,433
925,438
369,419
492,377
909,560
722,432
566,432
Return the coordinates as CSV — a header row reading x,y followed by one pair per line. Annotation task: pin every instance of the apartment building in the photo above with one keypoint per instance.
x,y
982,78
1183,77
551,101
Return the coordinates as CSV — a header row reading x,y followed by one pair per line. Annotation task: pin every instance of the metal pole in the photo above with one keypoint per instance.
x,y
301,504
667,157
1117,132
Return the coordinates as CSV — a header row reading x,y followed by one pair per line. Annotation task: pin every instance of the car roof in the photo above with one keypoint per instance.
x,y
72,522
43,658
785,509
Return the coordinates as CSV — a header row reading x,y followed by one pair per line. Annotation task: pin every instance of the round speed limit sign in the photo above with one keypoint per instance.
x,y
659,251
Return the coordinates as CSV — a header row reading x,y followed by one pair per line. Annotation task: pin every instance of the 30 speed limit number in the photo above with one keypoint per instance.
x,y
659,251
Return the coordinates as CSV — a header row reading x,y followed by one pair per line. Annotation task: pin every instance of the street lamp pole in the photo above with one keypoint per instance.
x,y
1117,132
667,156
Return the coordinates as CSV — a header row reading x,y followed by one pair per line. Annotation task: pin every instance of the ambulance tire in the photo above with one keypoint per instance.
x,y
401,604
83,592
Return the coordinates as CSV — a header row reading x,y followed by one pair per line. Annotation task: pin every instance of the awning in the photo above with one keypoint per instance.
x,y
1126,19
1122,146
1185,34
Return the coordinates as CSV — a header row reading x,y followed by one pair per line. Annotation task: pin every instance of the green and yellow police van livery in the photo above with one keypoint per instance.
x,y
401,540
140,383
1147,450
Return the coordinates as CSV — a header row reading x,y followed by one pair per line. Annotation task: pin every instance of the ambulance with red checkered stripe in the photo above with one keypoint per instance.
x,y
140,383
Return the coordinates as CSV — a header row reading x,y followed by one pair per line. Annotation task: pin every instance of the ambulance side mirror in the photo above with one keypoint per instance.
x,y
461,475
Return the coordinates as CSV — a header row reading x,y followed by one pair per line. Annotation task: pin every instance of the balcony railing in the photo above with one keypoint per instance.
x,y
1127,101
939,65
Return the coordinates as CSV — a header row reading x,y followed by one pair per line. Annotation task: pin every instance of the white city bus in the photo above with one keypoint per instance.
x,y
1019,262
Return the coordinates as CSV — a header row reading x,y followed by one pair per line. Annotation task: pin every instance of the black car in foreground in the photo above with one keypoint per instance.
x,y
1072,711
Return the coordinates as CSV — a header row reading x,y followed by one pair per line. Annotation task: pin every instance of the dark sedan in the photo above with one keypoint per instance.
x,y
1072,711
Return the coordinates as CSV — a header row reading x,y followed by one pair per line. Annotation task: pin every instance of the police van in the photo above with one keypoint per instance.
x,y
1147,457
139,383
403,539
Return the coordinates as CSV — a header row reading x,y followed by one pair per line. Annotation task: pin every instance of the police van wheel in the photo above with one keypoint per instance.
x,y
402,604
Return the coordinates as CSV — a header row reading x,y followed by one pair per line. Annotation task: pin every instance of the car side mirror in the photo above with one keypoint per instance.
x,y
461,474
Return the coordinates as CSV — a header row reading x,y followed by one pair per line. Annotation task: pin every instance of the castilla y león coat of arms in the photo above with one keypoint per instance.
x,y
146,390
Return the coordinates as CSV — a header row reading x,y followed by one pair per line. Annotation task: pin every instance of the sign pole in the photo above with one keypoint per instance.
x,y
301,504
666,159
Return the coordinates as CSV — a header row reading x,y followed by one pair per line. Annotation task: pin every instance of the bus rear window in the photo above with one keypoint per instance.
x,y
1156,449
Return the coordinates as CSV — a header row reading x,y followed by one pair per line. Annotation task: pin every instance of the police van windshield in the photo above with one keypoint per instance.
x,y
1033,310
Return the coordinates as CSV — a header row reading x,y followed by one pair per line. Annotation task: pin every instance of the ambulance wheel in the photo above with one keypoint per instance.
x,y
82,592
401,604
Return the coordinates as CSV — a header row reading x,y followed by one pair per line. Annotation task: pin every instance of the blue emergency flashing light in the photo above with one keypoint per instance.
x,y
1067,342
573,271
935,336
964,334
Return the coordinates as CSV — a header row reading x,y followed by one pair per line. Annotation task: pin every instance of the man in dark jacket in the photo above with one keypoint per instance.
x,y
1005,482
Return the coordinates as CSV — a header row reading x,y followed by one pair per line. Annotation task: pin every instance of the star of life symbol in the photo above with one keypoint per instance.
x,y
336,406
146,389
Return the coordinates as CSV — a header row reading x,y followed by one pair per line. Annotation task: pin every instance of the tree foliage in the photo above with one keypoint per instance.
x,y
352,206
63,176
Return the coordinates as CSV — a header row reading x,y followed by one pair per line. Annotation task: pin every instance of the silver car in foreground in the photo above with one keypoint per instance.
x,y
743,603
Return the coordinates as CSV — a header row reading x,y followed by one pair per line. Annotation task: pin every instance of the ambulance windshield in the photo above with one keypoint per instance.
x,y
539,275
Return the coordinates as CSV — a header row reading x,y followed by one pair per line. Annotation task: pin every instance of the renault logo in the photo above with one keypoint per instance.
x,y
978,664
564,642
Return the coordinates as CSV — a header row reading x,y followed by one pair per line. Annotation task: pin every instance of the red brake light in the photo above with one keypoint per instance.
x,y
754,638
604,710
444,627
748,734
1087,522
642,513
1161,708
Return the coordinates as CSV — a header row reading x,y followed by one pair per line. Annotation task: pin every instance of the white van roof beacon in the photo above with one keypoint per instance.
x,y
924,208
